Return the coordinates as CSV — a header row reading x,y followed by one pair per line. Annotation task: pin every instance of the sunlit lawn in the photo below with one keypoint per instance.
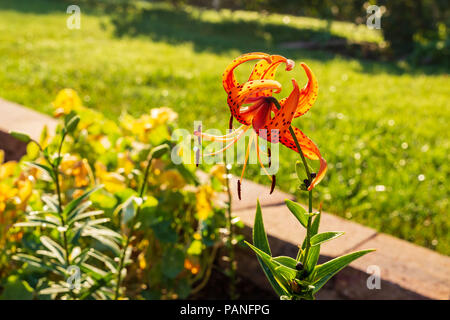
x,y
382,127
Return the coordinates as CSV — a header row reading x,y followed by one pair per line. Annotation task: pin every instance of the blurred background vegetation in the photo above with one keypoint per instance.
x,y
381,118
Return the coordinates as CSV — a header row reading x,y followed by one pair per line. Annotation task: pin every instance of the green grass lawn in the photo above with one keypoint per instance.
x,y
382,127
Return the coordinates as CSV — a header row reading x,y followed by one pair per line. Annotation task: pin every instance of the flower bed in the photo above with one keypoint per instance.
x,y
113,216
80,204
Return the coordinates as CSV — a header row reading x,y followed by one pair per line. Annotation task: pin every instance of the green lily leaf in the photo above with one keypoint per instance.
x,y
47,169
57,251
281,273
324,272
286,261
324,237
314,252
261,242
68,210
298,211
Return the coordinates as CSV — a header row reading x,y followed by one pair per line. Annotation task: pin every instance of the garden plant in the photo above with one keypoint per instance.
x,y
252,104
99,211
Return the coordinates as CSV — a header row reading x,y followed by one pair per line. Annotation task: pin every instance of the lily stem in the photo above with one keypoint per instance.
x,y
55,169
132,228
309,177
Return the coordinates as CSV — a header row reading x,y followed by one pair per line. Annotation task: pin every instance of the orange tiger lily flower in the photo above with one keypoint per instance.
x,y
252,105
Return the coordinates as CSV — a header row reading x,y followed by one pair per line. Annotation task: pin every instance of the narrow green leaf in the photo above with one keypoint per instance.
x,y
313,257
286,261
280,273
259,233
86,215
298,211
261,242
71,206
107,261
314,228
55,248
51,203
326,271
314,252
78,210
106,241
94,272
159,151
324,237
44,167
67,118
34,224
53,290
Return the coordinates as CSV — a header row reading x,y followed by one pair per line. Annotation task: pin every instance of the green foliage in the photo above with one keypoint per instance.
x,y
289,281
15,289
100,197
410,27
261,242
325,236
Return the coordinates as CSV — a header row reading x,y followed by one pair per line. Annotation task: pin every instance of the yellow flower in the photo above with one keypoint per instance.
x,y
66,101
141,260
124,162
144,124
6,193
77,193
171,179
192,266
25,187
203,205
77,168
113,181
219,172
163,115
138,127
7,169
197,236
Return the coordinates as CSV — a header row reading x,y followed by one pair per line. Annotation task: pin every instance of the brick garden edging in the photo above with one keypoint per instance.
x,y
408,271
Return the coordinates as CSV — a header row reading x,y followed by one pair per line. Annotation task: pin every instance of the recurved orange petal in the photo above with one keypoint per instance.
x,y
267,70
308,94
309,149
228,78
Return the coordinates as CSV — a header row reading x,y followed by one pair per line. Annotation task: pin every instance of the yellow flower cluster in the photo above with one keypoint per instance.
x,y
77,168
167,179
16,193
218,171
142,126
203,196
112,181
13,196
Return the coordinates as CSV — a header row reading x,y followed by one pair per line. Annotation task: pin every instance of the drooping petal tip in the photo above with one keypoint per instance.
x,y
290,64
320,174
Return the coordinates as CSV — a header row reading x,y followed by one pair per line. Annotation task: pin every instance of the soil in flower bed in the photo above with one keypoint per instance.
x,y
218,288
14,149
